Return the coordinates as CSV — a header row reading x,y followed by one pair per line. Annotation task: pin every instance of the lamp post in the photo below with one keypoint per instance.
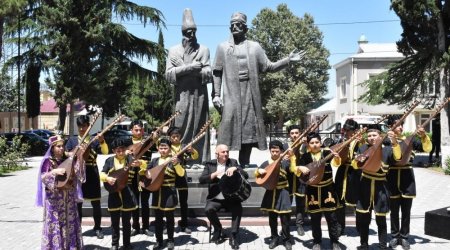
x,y
18,77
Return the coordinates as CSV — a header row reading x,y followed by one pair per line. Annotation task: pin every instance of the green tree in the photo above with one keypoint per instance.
x,y
9,11
89,56
279,32
425,43
150,98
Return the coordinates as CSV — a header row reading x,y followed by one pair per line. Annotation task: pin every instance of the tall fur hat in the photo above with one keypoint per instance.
x,y
188,20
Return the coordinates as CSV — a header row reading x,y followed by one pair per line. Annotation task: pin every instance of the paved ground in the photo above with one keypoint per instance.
x,y
21,222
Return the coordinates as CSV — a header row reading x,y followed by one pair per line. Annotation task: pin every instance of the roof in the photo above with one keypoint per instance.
x,y
50,106
327,107
373,52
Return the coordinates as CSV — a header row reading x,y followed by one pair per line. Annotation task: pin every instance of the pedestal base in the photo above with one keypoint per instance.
x,y
437,223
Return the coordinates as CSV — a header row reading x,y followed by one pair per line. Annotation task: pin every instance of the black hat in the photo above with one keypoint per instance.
x,y
392,119
118,142
374,126
276,143
350,125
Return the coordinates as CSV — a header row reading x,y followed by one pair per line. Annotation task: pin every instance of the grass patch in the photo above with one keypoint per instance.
x,y
7,170
436,168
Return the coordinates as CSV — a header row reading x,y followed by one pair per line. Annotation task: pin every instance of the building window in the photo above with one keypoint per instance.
x,y
343,87
423,118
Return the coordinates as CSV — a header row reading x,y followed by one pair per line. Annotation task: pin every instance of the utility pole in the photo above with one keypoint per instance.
x,y
18,78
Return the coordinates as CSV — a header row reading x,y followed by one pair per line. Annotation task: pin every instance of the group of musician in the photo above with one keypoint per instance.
x,y
385,186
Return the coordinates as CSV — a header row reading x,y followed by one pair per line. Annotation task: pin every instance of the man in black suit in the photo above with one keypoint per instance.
x,y
213,171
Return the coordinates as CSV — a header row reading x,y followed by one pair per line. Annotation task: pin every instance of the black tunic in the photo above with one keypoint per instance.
x,y
296,186
125,199
321,197
347,178
91,188
401,180
166,197
278,200
373,190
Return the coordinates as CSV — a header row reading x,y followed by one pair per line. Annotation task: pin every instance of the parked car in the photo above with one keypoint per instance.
x,y
38,145
44,133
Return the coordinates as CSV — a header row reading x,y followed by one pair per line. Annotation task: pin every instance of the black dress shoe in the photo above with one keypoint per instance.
x,y
288,245
114,248
300,230
233,243
273,242
217,236
99,234
170,245
134,232
147,232
158,246
127,247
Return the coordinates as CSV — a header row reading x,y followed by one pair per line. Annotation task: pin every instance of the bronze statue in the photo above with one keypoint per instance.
x,y
188,69
238,63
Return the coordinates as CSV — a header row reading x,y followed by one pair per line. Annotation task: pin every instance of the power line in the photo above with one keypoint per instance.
x,y
318,24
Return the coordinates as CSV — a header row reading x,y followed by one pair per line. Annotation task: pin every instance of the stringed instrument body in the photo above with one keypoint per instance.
x,y
121,176
157,172
68,164
407,146
269,180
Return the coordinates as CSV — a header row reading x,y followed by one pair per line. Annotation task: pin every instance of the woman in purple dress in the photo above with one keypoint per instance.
x,y
62,226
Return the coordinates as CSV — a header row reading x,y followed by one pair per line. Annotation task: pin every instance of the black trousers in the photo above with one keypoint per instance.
x,y
285,220
436,147
135,213
96,213
212,206
300,212
159,224
144,197
334,229
245,152
126,227
183,198
340,215
405,205
362,225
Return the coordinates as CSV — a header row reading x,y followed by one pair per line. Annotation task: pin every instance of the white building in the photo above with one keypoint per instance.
x,y
369,60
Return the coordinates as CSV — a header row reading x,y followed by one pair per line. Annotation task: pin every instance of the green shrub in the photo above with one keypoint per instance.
x,y
12,156
447,166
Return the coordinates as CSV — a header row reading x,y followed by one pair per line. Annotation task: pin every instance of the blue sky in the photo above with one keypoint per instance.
x,y
341,22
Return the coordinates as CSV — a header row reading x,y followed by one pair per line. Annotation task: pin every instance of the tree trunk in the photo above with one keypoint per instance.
x,y
71,119
2,21
62,117
444,93
280,122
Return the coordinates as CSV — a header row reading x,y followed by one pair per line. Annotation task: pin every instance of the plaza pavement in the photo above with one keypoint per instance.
x,y
21,221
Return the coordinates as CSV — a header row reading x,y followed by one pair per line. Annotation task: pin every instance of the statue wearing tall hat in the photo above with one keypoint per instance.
x,y
188,69
238,63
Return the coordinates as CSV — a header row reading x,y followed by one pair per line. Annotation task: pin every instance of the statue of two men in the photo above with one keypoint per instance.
x,y
238,63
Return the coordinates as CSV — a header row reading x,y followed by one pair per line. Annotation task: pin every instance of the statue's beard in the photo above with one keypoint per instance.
x,y
189,45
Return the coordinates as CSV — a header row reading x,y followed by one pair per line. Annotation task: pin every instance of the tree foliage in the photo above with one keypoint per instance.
x,y
418,73
280,32
88,56
150,99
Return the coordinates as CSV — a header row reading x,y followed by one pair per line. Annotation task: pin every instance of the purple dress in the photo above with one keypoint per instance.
x,y
62,226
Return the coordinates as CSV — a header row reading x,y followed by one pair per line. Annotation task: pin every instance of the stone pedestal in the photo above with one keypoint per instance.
x,y
437,223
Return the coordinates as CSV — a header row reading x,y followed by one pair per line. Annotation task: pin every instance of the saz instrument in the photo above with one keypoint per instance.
x,y
344,153
137,151
157,173
67,164
407,145
317,168
269,180
370,160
